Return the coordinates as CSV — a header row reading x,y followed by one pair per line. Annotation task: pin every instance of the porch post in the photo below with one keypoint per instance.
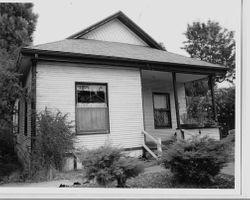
x,y
211,85
176,101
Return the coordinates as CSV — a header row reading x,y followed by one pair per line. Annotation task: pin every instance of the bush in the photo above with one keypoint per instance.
x,y
54,138
107,163
126,168
225,105
196,160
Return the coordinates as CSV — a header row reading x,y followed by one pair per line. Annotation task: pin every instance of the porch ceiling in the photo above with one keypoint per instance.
x,y
167,76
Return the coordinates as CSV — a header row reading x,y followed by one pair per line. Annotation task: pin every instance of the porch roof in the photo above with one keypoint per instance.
x,y
117,51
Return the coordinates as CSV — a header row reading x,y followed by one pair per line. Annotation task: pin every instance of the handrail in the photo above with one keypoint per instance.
x,y
151,152
150,136
158,143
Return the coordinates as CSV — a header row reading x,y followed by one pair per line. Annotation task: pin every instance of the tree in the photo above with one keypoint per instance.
x,y
17,24
212,43
225,105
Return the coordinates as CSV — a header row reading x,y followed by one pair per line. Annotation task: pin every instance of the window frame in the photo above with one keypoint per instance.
x,y
107,100
167,110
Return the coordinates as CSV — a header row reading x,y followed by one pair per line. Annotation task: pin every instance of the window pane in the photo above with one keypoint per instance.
x,y
92,119
160,101
91,94
161,118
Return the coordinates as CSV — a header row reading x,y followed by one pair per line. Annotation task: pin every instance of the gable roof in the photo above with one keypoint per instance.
x,y
127,22
114,31
152,57
113,50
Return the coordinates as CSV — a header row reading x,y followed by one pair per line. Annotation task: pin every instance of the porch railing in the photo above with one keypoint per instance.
x,y
157,141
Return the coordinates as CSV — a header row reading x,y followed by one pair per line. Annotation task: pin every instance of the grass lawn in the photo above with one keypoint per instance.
x,y
164,180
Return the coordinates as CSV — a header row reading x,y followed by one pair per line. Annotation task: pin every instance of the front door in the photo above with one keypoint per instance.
x,y
162,112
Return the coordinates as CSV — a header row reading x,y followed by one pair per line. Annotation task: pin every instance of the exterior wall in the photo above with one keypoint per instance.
x,y
24,141
148,88
56,90
115,31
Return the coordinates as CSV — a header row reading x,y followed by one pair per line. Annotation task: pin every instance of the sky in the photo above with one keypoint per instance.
x,y
164,20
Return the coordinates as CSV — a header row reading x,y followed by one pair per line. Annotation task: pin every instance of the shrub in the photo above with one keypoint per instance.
x,y
107,163
54,138
196,160
126,168
225,105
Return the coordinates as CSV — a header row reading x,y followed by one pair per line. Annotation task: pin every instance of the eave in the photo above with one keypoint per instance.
x,y
56,56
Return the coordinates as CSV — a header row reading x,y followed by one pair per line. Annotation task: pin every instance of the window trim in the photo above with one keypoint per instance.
x,y
107,99
169,111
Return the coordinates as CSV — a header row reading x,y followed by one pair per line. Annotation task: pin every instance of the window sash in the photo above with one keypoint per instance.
x,y
92,116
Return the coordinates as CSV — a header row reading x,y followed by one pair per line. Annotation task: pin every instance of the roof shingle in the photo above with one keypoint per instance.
x,y
119,50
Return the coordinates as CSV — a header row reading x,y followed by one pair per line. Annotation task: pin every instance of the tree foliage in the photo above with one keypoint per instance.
x,y
54,138
225,105
17,24
212,43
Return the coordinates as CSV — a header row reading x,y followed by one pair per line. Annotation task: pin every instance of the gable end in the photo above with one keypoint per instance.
x,y
127,22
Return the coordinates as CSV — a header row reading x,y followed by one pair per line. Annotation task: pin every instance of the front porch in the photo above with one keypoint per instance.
x,y
165,106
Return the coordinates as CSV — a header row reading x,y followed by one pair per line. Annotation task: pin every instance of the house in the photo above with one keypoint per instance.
x,y
115,81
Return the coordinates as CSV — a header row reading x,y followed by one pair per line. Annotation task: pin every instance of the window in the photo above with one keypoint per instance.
x,y
162,113
91,108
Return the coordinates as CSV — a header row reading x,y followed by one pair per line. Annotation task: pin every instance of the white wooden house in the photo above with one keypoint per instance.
x,y
114,81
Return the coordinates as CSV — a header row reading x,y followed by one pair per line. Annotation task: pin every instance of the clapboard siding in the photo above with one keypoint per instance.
x,y
150,86
56,90
115,31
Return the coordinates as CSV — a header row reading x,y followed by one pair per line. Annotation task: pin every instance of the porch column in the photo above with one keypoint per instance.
x,y
211,85
176,101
